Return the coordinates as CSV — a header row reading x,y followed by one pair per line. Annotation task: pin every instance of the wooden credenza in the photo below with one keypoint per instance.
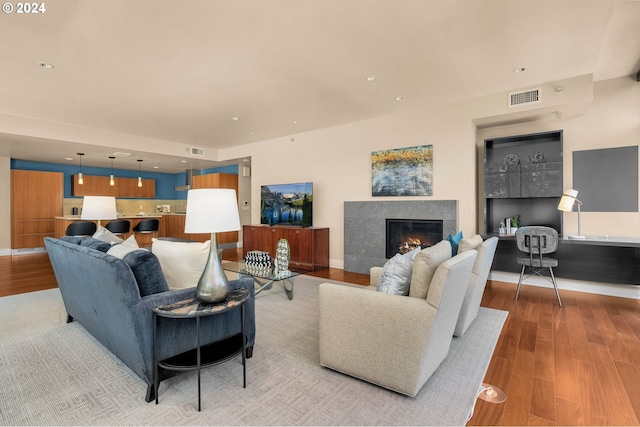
x,y
309,246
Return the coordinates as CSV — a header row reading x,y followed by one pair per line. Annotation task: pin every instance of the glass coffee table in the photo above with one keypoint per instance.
x,y
265,277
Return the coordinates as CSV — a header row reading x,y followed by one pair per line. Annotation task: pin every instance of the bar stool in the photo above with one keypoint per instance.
x,y
81,229
147,226
119,226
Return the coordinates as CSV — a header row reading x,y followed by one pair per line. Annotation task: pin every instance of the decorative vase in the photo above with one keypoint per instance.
x,y
282,255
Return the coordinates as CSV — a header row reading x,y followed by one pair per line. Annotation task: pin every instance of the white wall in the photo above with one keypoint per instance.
x,y
5,206
338,161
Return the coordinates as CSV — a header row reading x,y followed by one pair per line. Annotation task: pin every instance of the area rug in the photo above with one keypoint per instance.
x,y
54,373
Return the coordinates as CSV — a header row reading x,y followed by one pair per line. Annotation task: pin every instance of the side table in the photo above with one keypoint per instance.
x,y
202,356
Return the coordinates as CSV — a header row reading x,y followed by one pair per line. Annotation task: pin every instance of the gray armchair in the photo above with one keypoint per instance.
x,y
393,341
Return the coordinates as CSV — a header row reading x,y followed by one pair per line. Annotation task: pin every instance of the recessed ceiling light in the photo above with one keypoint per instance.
x,y
183,161
295,122
156,167
45,65
519,70
399,98
371,78
235,118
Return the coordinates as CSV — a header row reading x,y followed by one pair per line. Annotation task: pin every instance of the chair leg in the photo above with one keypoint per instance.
x,y
520,282
555,285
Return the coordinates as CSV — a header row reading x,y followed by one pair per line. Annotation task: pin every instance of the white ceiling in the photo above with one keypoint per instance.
x,y
179,71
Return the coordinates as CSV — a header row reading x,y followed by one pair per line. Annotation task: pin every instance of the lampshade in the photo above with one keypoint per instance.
x,y
212,210
99,207
568,200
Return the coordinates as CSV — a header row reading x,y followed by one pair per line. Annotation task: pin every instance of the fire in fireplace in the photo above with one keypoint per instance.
x,y
404,235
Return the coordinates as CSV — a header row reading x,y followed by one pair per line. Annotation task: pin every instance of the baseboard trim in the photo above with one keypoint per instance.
x,y
609,289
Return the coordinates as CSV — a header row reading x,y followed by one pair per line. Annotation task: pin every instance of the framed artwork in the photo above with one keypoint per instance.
x,y
402,172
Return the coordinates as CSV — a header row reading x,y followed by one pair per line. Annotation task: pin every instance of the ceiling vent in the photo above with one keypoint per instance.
x,y
531,96
197,152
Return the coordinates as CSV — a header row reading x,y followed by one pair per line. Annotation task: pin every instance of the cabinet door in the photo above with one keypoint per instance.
x,y
502,184
300,246
36,198
542,180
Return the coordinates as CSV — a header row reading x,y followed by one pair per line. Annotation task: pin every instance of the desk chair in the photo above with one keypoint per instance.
x,y
537,241
119,226
81,229
147,226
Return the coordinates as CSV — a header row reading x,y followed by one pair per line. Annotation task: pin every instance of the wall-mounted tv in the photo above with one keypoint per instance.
x,y
287,204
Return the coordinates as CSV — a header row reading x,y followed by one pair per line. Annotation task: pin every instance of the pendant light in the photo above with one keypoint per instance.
x,y
139,173
112,181
80,179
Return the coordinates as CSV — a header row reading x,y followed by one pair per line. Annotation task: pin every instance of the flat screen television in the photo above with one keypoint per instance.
x,y
287,204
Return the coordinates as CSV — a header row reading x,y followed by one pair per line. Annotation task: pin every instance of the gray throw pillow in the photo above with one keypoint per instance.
x,y
396,275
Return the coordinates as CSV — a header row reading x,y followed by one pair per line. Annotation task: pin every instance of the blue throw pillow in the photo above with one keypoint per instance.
x,y
147,271
99,245
454,239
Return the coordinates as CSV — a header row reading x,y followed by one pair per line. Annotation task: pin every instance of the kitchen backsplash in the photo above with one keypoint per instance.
x,y
127,207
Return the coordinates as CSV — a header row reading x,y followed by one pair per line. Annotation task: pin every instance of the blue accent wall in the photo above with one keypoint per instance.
x,y
165,182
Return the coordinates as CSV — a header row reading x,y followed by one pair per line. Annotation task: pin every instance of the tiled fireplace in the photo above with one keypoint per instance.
x,y
365,227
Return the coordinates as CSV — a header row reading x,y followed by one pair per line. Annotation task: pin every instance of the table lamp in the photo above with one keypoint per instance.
x,y
98,208
212,210
569,199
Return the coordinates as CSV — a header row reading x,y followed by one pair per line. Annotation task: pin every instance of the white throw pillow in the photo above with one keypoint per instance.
x,y
131,241
120,250
470,243
425,266
106,236
181,262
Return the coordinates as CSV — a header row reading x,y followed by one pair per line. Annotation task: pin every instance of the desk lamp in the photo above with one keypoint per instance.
x,y
569,199
212,210
99,207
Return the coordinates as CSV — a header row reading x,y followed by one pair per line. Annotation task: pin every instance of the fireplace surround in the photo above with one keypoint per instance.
x,y
364,227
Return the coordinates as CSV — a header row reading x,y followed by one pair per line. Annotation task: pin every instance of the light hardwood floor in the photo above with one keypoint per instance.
x,y
577,365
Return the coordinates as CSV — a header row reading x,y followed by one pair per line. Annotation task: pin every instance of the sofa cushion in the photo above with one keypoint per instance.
x,y
106,236
182,262
454,239
147,271
425,265
96,244
145,267
470,243
71,239
395,277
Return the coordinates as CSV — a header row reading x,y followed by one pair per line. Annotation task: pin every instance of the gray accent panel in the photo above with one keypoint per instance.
x,y
607,179
364,227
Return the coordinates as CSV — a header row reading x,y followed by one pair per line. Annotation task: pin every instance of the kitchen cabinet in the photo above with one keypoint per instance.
x,y
36,198
124,187
309,247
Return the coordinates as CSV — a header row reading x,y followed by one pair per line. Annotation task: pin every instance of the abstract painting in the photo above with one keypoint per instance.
x,y
402,172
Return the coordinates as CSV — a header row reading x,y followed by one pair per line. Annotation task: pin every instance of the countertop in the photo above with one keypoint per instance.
x,y
73,217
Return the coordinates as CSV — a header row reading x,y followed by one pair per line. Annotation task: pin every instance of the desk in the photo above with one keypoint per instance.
x,y
613,260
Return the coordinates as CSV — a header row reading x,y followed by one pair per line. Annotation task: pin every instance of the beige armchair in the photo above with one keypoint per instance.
x,y
393,341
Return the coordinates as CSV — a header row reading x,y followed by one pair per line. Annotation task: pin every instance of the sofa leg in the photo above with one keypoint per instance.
x,y
69,318
151,393
249,352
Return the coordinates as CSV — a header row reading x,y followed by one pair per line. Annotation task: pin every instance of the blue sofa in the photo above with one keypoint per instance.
x,y
113,299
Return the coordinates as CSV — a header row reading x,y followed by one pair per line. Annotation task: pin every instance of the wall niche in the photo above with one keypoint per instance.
x,y
523,178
